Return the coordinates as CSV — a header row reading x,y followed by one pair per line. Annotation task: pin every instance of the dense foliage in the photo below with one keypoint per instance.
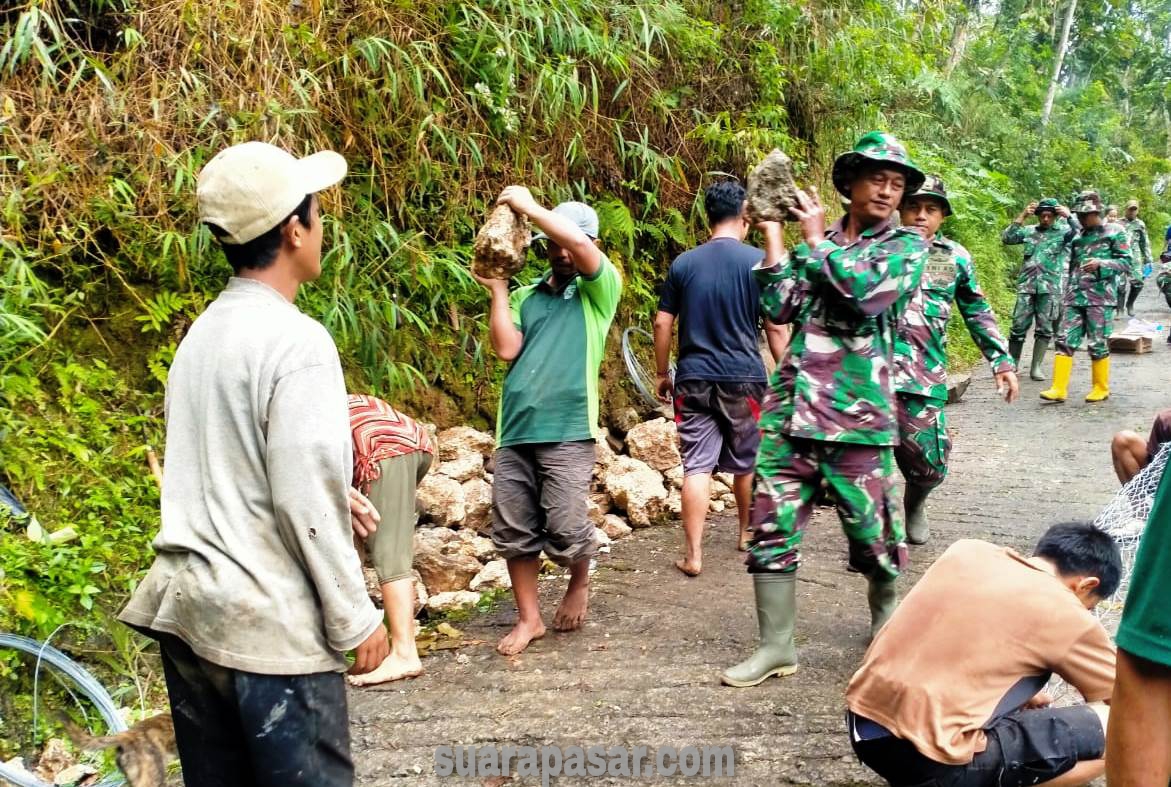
x,y
108,108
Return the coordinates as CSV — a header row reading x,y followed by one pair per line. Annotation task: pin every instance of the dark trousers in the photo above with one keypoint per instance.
x,y
241,729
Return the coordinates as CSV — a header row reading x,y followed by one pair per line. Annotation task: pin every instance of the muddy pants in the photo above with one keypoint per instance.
x,y
241,729
789,472
1092,323
1033,309
924,446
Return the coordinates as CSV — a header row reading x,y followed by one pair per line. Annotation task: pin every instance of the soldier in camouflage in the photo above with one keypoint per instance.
x,y
1140,249
1100,254
1040,284
921,352
829,414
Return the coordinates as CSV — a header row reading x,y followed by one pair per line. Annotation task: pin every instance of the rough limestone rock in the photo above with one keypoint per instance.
x,y
460,440
637,489
603,455
594,512
717,507
421,594
656,443
675,502
463,468
468,542
674,476
442,500
499,249
602,539
625,419
615,527
444,571
492,576
727,479
373,587
55,758
771,190
729,500
719,488
478,505
458,599
435,537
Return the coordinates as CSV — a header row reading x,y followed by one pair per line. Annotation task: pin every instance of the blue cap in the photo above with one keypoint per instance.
x,y
581,214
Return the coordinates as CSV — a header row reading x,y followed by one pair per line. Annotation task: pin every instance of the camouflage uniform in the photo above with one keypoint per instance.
x,y
1140,247
1163,278
1089,304
921,358
830,412
1040,284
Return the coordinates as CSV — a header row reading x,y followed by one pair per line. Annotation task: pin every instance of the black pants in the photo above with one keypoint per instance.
x,y
241,729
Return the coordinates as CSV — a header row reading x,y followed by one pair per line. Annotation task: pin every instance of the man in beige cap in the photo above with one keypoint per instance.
x,y
256,593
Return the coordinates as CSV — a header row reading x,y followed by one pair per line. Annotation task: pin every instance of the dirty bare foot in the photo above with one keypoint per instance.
x,y
519,638
392,668
745,539
572,612
691,568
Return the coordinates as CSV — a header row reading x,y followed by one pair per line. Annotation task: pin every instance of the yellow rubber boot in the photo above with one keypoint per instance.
x,y
1100,375
1062,368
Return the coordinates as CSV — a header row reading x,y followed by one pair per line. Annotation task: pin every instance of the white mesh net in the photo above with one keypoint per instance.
x,y
1124,518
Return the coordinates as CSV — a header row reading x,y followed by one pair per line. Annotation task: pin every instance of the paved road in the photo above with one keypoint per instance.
x,y
644,670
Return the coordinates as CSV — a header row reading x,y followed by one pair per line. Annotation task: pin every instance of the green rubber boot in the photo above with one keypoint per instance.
x,y
883,598
1040,347
1015,348
776,612
915,506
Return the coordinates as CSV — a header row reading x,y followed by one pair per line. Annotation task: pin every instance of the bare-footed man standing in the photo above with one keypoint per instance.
x,y
553,332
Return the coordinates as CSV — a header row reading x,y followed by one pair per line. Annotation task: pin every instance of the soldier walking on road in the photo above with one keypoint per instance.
x,y
1100,254
1140,250
921,352
829,414
1040,285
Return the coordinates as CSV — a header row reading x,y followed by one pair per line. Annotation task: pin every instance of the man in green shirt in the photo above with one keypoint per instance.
x,y
553,332
1138,748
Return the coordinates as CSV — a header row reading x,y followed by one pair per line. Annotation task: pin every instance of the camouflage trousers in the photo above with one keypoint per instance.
x,y
924,446
789,472
1091,323
1040,309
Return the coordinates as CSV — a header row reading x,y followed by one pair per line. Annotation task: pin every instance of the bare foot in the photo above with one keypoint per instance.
x,y
519,638
745,539
392,668
689,567
572,612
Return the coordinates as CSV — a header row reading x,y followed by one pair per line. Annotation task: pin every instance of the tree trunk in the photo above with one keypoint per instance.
x,y
1055,80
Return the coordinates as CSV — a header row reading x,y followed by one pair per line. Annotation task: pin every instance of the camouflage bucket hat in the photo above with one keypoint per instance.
x,y
1088,202
932,187
1047,204
877,146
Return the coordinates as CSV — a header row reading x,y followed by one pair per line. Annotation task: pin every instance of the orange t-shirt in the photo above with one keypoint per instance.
x,y
982,622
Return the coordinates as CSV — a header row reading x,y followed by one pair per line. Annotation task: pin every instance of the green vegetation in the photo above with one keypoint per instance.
x,y
108,109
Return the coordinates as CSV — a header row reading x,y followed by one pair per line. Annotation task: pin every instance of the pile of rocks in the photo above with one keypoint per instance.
x,y
637,483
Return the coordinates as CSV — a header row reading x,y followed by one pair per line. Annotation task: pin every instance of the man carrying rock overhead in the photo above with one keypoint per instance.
x,y
830,412
1040,283
553,333
1140,249
256,592
921,352
1100,254
720,378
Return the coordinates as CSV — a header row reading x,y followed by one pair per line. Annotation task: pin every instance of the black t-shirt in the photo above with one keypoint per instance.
x,y
712,292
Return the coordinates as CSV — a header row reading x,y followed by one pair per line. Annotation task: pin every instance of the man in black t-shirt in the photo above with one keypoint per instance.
x,y
720,377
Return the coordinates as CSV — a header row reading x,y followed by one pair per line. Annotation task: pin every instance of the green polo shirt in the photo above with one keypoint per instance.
x,y
1145,630
551,392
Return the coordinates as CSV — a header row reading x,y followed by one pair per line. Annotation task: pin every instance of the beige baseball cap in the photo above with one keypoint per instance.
x,y
249,188
1132,204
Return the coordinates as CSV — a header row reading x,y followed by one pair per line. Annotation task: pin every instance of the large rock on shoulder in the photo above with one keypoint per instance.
x,y
636,488
499,249
656,443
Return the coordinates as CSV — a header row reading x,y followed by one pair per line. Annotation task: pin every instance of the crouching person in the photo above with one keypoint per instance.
x,y
950,692
392,454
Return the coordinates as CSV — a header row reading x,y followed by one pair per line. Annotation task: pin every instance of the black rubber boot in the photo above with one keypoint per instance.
x,y
1135,289
1040,347
1015,347
882,597
915,506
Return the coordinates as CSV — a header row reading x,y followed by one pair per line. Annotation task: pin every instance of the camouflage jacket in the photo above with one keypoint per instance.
x,y
1046,255
1107,245
836,383
921,343
1140,245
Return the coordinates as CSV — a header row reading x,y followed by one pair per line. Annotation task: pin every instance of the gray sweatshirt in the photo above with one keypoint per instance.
x,y
256,568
